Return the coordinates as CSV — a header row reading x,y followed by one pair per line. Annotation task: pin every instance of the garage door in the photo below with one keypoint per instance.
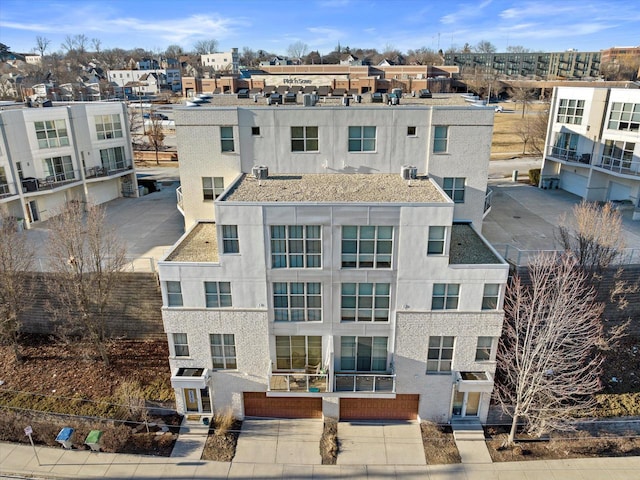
x,y
573,183
257,404
403,407
619,191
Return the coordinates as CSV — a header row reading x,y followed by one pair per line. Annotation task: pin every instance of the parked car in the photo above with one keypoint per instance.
x,y
425,93
376,97
157,116
499,108
243,93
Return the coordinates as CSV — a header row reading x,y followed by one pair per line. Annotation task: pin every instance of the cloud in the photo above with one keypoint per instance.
x,y
464,12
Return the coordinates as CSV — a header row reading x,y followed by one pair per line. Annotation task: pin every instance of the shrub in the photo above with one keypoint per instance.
x,y
534,176
223,421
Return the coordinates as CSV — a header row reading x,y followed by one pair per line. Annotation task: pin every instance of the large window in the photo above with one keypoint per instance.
x,y
362,139
436,240
212,187
113,158
454,187
226,139
304,139
230,243
174,294
440,354
296,246
625,116
4,186
180,345
490,296
297,302
223,351
217,294
52,133
566,144
570,111
363,354
483,349
618,153
440,137
365,302
108,126
296,352
59,169
445,296
367,247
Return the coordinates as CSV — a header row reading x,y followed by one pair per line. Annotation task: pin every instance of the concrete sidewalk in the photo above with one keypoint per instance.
x,y
19,460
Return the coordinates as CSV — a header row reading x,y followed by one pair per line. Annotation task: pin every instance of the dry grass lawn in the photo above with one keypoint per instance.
x,y
506,143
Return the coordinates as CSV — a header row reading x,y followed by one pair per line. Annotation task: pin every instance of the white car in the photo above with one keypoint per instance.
x,y
499,108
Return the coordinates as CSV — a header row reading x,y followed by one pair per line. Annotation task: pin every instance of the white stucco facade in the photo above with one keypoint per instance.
x,y
370,345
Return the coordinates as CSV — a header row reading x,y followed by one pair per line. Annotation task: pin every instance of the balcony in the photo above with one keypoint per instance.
x,y
179,199
298,382
568,155
97,172
6,190
50,182
365,382
621,166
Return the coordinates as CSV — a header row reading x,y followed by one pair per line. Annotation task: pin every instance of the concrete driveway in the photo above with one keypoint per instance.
x,y
380,443
279,441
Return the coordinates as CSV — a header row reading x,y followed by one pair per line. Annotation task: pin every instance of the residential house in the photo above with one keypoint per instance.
x,y
333,264
593,144
52,155
222,62
145,82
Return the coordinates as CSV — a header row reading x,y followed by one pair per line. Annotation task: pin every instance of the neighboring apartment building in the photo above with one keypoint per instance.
x,y
347,278
222,62
548,66
52,155
593,143
147,81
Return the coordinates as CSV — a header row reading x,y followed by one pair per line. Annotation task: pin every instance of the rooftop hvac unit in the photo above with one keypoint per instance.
x,y
260,172
309,100
409,172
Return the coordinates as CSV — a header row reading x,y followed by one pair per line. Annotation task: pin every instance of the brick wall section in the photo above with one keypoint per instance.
x,y
136,307
612,314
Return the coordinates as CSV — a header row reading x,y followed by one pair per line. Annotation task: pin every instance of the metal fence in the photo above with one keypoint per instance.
x,y
134,264
521,258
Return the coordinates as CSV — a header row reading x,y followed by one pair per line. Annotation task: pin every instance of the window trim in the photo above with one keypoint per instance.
x,y
210,193
440,143
411,133
568,113
287,243
373,303
112,120
432,240
292,304
229,361
217,298
481,350
230,240
226,140
362,139
631,124
49,135
179,346
453,189
306,139
290,357
355,260
447,296
177,294
440,359
372,357
487,297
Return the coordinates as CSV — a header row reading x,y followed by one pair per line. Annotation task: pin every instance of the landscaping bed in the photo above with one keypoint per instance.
x,y
223,438
439,445
329,446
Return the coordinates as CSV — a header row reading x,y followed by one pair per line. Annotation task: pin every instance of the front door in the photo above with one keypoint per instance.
x,y
33,211
191,400
465,404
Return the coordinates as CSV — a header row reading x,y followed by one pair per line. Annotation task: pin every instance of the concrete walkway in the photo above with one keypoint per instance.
x,y
469,438
380,443
279,441
58,463
191,440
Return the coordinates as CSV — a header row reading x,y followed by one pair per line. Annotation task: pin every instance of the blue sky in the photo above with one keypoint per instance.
x,y
587,25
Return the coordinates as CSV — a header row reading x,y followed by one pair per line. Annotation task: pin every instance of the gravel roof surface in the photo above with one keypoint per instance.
x,y
336,188
201,245
467,248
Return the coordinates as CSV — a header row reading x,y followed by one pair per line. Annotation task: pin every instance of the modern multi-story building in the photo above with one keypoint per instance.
x,y
548,66
145,81
593,143
52,155
332,263
222,62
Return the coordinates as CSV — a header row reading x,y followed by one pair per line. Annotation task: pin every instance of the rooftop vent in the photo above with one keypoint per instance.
x,y
260,172
409,172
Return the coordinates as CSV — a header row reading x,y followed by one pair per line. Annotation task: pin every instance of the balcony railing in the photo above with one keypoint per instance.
x,y
626,167
569,155
298,382
365,382
179,197
50,182
5,190
96,172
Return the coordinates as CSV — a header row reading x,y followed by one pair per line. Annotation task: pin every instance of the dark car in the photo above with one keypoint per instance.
x,y
158,116
425,93
243,93
376,97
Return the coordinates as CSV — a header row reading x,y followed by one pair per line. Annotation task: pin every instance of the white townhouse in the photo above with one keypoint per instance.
x,y
52,155
222,61
147,81
593,144
333,264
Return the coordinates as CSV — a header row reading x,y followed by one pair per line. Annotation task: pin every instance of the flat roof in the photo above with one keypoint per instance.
x,y
335,188
200,245
467,248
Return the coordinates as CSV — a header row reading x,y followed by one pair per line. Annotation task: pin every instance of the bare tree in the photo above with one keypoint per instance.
x,y
86,256
594,236
69,43
522,95
155,134
538,130
297,49
96,43
16,294
174,51
202,47
550,353
81,42
42,43
424,56
524,131
517,49
485,46
248,57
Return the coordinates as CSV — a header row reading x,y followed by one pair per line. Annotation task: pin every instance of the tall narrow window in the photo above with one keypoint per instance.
x,y
296,352
180,345
174,294
490,296
454,187
440,138
440,354
304,139
223,351
112,159
367,246
297,302
217,294
436,240
296,246
483,349
365,302
362,139
230,243
226,139
363,354
445,296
